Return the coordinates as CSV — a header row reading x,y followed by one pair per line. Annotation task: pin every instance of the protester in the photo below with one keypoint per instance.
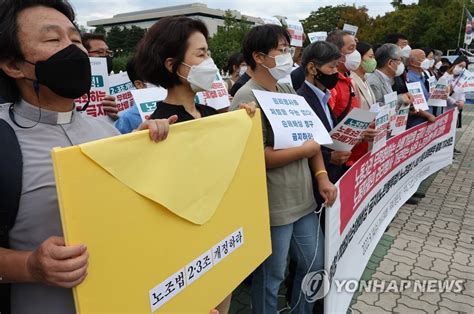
x,y
363,91
244,77
97,47
428,68
401,41
174,55
235,67
456,97
43,68
417,64
292,219
130,119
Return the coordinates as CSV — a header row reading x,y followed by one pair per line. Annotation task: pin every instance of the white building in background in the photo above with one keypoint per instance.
x,y
145,19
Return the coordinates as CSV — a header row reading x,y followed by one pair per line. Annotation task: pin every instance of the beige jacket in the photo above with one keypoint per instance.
x,y
363,92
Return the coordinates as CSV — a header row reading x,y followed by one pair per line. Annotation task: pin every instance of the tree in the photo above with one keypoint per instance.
x,y
228,38
324,19
135,34
116,38
100,30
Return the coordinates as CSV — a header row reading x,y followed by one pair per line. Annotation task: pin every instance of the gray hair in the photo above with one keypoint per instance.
x,y
337,37
385,53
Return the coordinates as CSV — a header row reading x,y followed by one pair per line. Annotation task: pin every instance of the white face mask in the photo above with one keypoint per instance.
x,y
400,69
431,63
406,51
457,70
283,66
242,70
353,61
202,76
425,64
438,65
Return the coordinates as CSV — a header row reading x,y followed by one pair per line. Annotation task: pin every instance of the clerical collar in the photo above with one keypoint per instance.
x,y
30,112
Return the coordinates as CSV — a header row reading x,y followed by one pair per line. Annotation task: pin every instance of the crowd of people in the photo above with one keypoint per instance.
x,y
44,66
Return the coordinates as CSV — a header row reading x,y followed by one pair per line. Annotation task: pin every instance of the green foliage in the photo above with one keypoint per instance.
x,y
228,38
122,39
120,62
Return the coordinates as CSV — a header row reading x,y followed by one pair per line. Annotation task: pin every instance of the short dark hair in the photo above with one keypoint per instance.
x,y
394,37
235,59
88,37
320,53
131,70
427,51
337,37
460,59
167,38
11,50
262,38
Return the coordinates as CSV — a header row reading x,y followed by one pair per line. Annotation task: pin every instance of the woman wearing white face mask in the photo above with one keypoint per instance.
x,y
429,65
174,55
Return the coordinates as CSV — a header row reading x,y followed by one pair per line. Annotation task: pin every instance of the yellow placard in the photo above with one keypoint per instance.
x,y
173,226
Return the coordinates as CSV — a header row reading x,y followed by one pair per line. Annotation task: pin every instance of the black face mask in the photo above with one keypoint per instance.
x,y
67,73
328,80
109,63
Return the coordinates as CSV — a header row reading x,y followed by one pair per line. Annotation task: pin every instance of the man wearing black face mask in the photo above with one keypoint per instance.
x,y
43,68
97,47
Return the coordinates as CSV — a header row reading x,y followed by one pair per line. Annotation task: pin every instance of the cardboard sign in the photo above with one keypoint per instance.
x,y
400,120
99,89
317,36
348,132
382,123
120,87
147,98
416,90
351,29
295,28
439,94
391,101
292,119
153,247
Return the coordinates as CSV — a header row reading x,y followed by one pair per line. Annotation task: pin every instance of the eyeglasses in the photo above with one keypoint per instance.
x,y
290,50
103,52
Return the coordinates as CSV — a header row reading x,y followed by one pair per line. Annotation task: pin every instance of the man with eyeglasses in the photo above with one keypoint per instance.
x,y
96,46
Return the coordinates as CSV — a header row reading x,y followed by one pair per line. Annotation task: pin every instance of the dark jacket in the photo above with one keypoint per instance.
x,y
334,171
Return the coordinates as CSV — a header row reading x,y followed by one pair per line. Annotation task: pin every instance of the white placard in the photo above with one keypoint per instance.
x,y
348,132
400,121
292,119
416,90
174,284
120,87
432,83
99,89
439,94
317,36
351,29
382,122
295,28
266,19
391,101
146,99
217,97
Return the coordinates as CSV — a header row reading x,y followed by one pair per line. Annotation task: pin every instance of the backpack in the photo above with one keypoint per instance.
x,y
11,172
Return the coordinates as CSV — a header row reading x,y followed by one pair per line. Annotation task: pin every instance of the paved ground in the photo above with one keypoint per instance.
x,y
431,240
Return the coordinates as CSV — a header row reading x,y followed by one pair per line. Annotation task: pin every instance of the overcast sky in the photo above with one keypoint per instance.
x,y
293,9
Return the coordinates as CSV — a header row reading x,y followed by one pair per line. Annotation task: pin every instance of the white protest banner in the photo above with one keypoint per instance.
x,y
317,36
295,29
120,87
400,121
99,89
370,194
351,29
459,83
270,20
439,94
217,97
416,90
146,99
348,132
468,84
382,122
391,101
292,119
432,83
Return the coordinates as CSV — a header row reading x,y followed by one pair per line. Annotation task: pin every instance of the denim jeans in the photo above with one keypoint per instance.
x,y
299,240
